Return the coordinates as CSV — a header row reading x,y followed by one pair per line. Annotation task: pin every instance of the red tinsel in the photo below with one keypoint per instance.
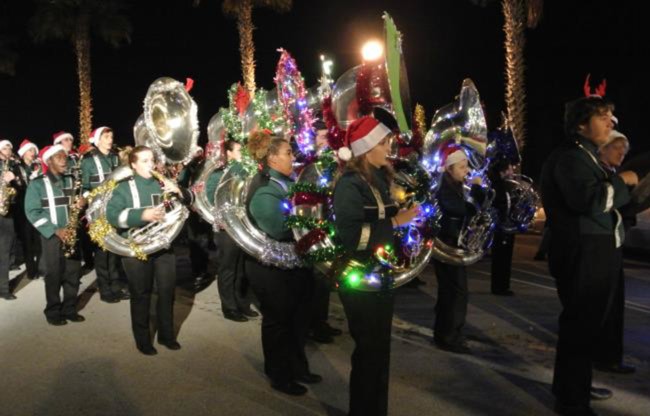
x,y
335,135
242,99
372,87
313,237
308,198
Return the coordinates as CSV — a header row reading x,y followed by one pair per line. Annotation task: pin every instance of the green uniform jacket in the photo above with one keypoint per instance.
x,y
579,196
211,184
361,226
122,211
95,166
48,213
266,206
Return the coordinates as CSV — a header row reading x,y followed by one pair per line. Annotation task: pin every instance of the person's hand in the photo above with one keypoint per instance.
x,y
62,233
153,214
630,178
81,202
8,176
405,216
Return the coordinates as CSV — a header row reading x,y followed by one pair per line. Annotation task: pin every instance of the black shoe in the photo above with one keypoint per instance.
x,y
148,350
172,345
291,388
249,312
310,378
599,393
573,410
619,368
14,267
56,321
321,336
506,292
74,318
8,296
85,269
121,295
109,299
235,316
539,257
32,276
459,348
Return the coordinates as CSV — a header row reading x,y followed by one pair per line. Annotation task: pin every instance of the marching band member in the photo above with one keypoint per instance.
x,y
284,295
365,216
96,165
47,206
609,349
502,243
581,200
451,307
136,202
30,168
8,181
231,280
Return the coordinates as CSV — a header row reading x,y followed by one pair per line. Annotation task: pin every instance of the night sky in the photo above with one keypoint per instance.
x,y
443,42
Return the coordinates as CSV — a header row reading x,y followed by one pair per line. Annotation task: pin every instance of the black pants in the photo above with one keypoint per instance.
x,y
284,297
502,247
108,277
609,347
231,279
370,316
31,244
87,247
585,273
198,234
6,242
451,307
60,272
320,301
160,267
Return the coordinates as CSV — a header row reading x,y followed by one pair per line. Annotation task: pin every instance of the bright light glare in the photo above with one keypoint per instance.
x,y
372,50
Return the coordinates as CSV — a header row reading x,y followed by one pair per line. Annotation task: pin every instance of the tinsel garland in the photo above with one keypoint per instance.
x,y
308,198
335,135
372,87
293,99
306,187
296,221
310,239
231,118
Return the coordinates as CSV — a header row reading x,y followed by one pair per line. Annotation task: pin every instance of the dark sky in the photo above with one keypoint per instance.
x,y
444,42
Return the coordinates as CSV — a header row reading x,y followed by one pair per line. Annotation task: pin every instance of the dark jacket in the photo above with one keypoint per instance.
x,y
579,196
456,210
357,213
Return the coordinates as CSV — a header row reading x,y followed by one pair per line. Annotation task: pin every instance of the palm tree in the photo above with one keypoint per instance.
x,y
74,20
242,10
517,15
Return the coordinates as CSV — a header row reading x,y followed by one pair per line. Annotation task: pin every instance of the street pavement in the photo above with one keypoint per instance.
x,y
93,368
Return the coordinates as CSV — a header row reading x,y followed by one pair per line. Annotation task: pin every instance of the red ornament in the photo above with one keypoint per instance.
x,y
313,237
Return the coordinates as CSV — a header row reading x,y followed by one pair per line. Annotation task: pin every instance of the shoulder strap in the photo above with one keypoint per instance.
x,y
134,193
50,199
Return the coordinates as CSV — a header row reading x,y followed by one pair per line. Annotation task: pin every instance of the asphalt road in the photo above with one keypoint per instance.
x,y
93,368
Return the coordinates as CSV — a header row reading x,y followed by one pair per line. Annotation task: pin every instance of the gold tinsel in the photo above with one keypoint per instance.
x,y
420,119
514,12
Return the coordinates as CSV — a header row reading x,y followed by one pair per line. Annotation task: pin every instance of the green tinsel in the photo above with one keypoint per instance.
x,y
308,187
323,255
296,221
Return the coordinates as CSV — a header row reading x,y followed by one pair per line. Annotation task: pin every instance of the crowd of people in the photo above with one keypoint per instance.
x,y
587,203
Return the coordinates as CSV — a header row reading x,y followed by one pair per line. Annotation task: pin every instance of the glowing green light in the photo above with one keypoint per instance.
x,y
354,278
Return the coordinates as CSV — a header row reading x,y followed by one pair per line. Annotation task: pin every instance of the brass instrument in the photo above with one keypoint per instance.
x,y
7,192
70,241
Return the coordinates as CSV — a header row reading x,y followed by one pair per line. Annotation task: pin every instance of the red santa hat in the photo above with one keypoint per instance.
x,y
96,134
58,137
362,136
47,152
25,145
5,142
451,155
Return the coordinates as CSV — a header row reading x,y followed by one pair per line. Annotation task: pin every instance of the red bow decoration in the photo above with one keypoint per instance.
x,y
242,99
599,91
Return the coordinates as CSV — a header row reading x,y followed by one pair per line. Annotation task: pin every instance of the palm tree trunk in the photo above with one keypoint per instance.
x,y
515,20
246,45
82,51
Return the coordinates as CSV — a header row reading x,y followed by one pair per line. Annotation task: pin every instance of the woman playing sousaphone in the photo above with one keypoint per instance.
x,y
365,217
135,203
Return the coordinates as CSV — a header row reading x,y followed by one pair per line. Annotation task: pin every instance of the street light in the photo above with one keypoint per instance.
x,y
372,50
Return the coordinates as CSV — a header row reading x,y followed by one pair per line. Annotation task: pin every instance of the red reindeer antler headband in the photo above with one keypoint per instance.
x,y
598,92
